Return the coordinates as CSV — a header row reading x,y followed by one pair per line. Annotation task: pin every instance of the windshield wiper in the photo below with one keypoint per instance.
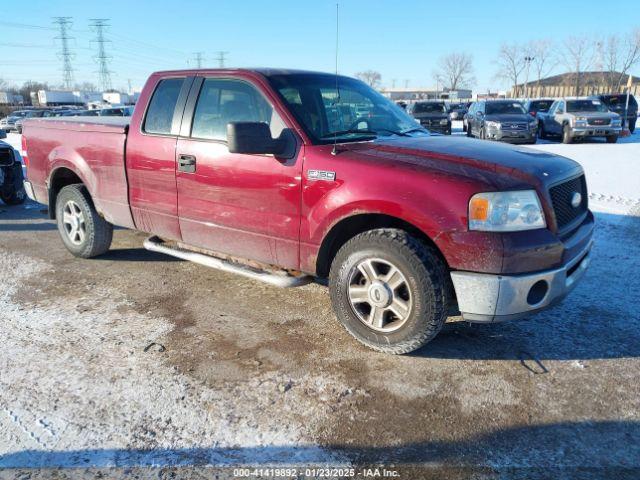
x,y
347,132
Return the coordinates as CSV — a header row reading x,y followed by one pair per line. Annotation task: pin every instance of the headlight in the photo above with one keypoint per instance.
x,y
493,124
616,122
533,124
506,211
444,121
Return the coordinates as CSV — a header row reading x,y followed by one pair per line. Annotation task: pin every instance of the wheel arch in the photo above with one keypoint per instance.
x,y
59,178
350,226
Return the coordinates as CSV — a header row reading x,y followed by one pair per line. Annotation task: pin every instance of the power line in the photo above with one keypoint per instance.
x,y
198,59
99,24
221,59
64,24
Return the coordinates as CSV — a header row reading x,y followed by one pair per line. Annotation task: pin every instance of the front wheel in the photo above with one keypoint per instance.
x,y
389,290
83,231
566,134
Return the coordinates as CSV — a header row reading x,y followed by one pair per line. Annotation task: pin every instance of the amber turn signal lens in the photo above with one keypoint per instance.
x,y
479,209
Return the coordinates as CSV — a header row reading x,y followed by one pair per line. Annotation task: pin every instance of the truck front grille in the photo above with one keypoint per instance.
x,y
514,126
599,121
562,196
6,157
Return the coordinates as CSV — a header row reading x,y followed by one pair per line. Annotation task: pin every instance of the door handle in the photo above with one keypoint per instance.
x,y
187,163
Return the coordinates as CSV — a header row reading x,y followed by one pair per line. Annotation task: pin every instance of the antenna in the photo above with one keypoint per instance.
x,y
335,137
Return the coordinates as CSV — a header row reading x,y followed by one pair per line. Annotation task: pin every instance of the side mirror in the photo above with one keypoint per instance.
x,y
3,134
254,138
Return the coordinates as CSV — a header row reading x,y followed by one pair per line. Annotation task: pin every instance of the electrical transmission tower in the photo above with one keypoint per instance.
x,y
221,58
198,59
64,24
99,25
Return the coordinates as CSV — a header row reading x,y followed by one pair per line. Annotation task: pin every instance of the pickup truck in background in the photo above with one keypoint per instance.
x,y
572,118
618,104
243,170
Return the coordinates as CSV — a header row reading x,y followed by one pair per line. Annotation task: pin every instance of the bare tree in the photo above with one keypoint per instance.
x,y
86,86
578,56
455,70
370,77
511,63
543,59
620,56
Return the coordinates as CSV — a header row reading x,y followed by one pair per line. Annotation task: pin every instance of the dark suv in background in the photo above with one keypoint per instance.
x,y
616,104
538,105
432,115
502,120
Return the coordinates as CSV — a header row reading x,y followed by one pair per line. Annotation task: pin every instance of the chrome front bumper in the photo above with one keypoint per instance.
x,y
494,298
595,131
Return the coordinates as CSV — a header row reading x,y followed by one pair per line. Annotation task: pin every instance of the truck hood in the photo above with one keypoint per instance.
x,y
498,164
431,116
611,115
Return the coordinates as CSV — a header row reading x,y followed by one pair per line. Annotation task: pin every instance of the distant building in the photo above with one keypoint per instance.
x,y
411,94
571,84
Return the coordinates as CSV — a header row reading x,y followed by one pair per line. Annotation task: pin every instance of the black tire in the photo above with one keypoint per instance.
x,y
98,232
612,138
483,135
468,130
12,192
427,280
566,134
464,127
632,125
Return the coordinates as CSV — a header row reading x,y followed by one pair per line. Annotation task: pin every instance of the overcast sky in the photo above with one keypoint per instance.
x,y
401,39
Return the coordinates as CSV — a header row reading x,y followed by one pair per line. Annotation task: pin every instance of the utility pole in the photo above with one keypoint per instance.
x,y
198,59
99,25
221,59
528,61
129,85
64,23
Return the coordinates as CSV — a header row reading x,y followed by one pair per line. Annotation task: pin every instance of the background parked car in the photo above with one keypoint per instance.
x,y
433,115
616,103
502,120
573,118
538,105
457,111
465,117
8,123
11,178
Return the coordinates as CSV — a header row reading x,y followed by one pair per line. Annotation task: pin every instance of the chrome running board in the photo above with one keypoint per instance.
x,y
283,280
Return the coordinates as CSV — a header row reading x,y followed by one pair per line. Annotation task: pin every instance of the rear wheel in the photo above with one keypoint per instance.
x,y
632,125
541,132
83,231
612,138
566,134
389,290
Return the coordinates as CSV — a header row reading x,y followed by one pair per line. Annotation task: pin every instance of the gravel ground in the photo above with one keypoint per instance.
x,y
136,360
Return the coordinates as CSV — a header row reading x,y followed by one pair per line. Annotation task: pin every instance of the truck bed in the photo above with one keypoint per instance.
x,y
92,148
85,124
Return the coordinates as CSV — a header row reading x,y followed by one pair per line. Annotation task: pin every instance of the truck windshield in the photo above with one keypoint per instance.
x,y
496,108
586,106
429,108
351,112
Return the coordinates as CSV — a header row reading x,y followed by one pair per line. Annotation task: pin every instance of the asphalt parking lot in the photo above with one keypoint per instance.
x,y
136,359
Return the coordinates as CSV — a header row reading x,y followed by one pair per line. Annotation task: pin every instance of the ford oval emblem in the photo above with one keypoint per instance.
x,y
576,200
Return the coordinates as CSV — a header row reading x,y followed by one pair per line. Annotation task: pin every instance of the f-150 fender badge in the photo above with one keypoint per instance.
x,y
321,175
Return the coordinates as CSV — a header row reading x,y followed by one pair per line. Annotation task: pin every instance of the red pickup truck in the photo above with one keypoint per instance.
x,y
286,175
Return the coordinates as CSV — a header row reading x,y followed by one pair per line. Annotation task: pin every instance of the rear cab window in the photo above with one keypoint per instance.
x,y
159,116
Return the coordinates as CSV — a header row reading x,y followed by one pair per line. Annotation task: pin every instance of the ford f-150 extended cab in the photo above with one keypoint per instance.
x,y
244,170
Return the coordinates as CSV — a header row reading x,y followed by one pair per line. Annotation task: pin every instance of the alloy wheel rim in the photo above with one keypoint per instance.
x,y
74,223
379,295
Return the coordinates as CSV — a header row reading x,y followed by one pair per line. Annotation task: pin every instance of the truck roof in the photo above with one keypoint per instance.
x,y
267,72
